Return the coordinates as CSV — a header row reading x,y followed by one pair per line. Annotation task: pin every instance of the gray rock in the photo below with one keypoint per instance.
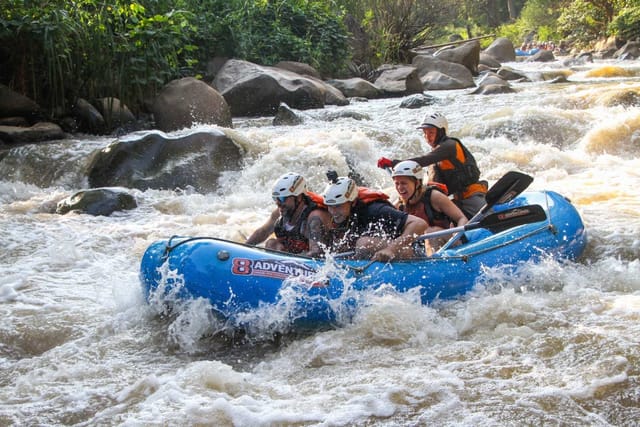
x,y
99,201
185,102
356,87
501,50
42,131
255,90
157,161
398,81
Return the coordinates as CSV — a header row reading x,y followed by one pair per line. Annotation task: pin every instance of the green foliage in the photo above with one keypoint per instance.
x,y
57,51
580,23
85,48
394,27
627,24
537,19
306,31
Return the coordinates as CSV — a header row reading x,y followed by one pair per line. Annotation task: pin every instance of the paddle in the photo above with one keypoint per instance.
x,y
504,190
497,222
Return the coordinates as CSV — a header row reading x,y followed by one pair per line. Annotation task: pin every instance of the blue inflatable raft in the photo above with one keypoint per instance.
x,y
239,280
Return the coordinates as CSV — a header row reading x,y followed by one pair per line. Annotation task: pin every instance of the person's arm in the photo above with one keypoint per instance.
x,y
261,234
446,150
317,229
413,227
442,203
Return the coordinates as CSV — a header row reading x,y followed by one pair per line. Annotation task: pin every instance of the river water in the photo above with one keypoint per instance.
x,y
554,344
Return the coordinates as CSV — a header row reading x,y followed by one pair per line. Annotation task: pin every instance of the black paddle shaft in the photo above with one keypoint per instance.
x,y
497,222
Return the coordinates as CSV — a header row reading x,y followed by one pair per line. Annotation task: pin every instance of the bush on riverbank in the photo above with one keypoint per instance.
x,y
58,51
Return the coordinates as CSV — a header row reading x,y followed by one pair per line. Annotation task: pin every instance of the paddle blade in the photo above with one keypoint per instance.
x,y
513,217
507,188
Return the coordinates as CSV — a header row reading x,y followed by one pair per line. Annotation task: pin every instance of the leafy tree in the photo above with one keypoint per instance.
x,y
61,50
627,23
394,27
301,30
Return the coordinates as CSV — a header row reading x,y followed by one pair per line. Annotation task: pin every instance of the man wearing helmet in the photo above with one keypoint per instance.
x,y
300,221
371,227
428,202
453,164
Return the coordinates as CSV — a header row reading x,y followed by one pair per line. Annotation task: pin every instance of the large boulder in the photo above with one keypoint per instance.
x,y
631,50
255,90
41,131
157,161
299,68
437,74
509,73
501,50
488,61
394,80
13,104
492,84
435,80
356,87
90,120
541,56
115,113
188,101
467,54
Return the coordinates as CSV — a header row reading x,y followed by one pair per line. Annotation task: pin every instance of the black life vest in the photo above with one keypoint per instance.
x,y
460,172
294,239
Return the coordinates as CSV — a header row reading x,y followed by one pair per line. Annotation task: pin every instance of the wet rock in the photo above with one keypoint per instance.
x,y
398,80
255,90
158,161
492,84
356,87
98,201
115,113
488,61
42,131
501,50
542,56
437,74
559,79
467,54
344,114
88,117
14,104
630,51
509,73
418,101
286,117
188,101
299,68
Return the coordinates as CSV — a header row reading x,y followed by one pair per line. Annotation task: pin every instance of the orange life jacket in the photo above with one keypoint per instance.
x,y
367,195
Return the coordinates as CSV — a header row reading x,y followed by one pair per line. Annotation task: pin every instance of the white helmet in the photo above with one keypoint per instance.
x,y
289,184
408,168
435,120
342,191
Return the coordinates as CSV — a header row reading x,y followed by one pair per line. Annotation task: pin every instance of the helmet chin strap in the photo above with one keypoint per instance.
x,y
415,190
296,204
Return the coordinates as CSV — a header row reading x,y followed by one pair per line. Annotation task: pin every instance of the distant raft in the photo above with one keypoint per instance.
x,y
238,279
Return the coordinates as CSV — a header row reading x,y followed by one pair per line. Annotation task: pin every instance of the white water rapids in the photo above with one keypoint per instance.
x,y
553,345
